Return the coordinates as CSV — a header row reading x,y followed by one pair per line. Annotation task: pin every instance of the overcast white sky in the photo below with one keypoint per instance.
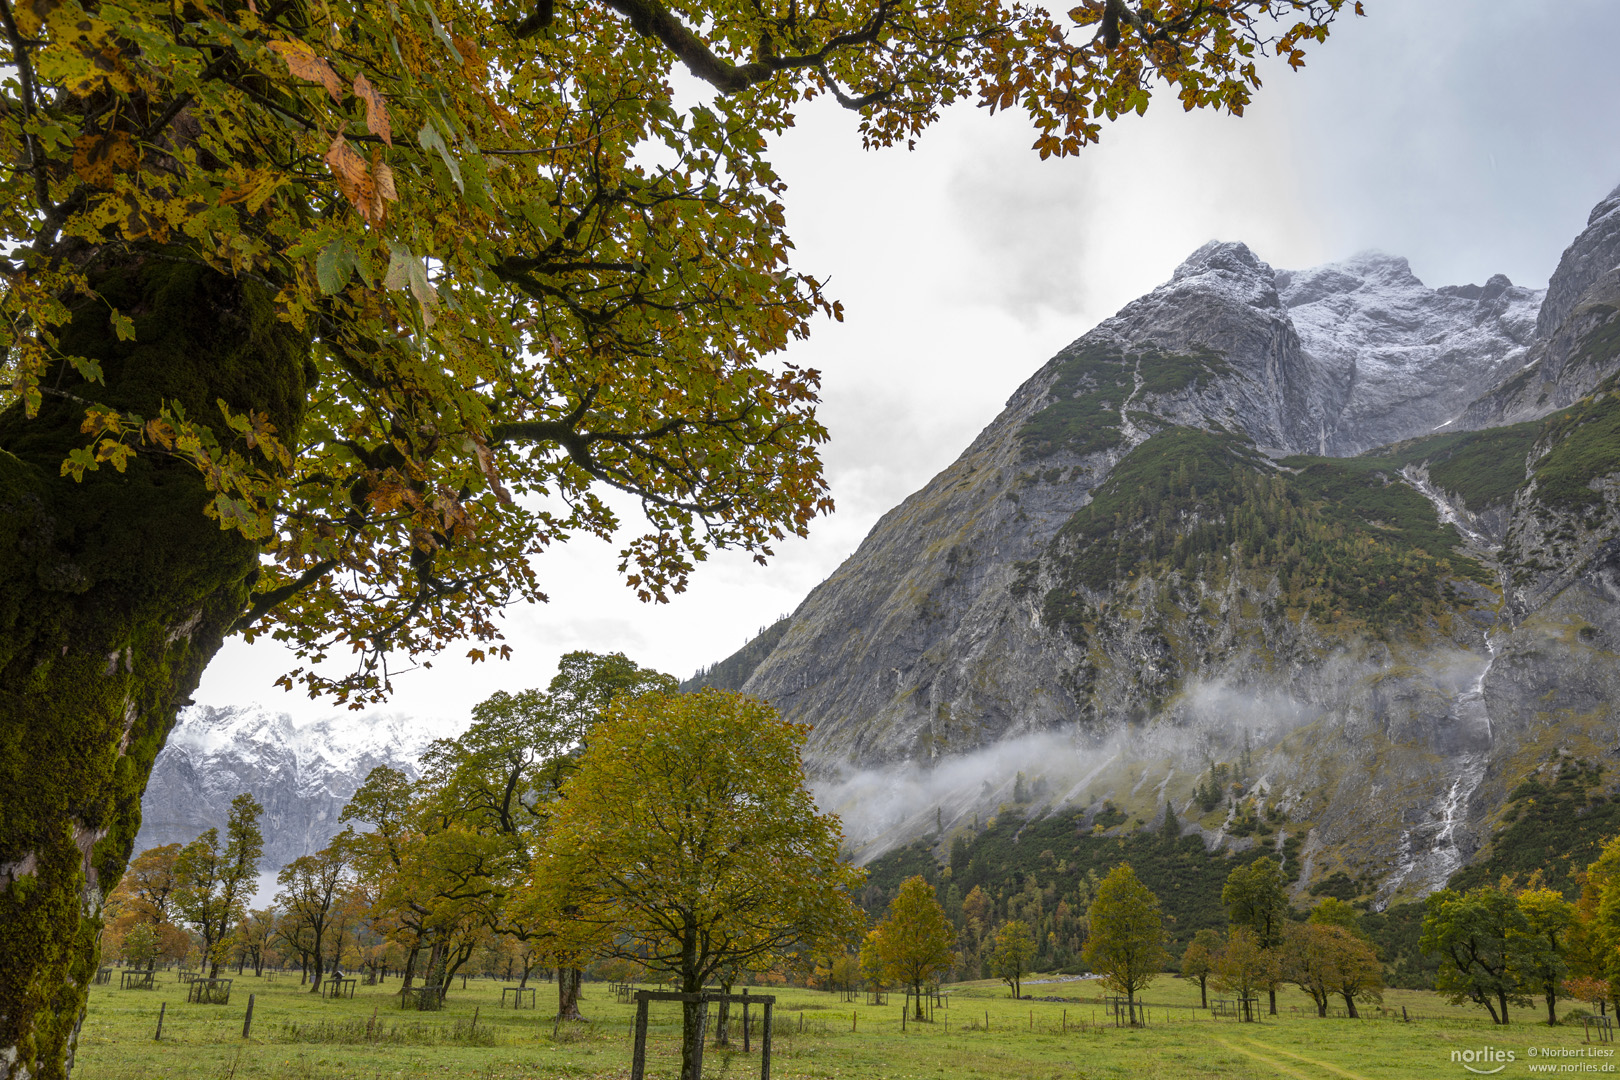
x,y
1472,136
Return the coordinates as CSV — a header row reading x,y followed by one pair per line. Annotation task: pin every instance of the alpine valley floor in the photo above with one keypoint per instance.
x,y
984,1033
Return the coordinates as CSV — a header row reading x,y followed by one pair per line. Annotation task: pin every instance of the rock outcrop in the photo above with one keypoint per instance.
x,y
1576,335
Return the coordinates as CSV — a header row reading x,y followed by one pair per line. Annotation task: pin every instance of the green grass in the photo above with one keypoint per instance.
x,y
983,1034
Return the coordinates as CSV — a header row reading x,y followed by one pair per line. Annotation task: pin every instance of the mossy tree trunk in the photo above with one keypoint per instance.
x,y
694,1014
114,594
569,980
318,961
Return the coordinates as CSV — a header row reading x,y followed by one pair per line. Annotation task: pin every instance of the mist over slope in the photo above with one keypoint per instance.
x,y
1366,528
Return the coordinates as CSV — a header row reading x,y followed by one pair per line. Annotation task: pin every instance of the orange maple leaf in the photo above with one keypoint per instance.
x,y
376,109
305,64
355,181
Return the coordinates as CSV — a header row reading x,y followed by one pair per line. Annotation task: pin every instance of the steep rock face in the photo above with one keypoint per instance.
x,y
302,775
1594,253
1126,579
910,650
1577,330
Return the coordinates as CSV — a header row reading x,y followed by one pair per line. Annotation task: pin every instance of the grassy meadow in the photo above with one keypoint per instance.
x,y
982,1034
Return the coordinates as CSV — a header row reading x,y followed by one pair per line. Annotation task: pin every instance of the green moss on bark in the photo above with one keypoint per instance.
x,y
114,594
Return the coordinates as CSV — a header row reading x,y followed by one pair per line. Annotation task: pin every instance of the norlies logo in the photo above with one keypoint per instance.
x,y
1484,1056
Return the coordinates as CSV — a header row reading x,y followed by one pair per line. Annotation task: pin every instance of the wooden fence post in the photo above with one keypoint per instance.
x,y
638,1060
247,1023
745,1019
765,1045
161,1007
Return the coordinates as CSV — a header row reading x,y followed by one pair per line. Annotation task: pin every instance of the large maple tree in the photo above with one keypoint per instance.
x,y
689,838
322,319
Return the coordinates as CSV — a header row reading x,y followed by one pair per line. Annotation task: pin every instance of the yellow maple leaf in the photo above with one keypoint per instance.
x,y
254,189
98,156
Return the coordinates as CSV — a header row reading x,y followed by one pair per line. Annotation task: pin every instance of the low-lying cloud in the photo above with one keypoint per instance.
x,y
1210,721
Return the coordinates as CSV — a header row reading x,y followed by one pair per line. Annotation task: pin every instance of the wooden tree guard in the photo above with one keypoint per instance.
x,y
517,993
136,980
638,1059
210,992
422,998
928,998
337,987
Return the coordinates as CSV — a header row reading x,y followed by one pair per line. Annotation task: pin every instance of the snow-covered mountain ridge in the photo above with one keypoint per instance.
x,y
302,774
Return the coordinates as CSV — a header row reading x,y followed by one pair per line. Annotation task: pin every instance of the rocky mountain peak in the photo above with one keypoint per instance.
x,y
1220,275
1228,258
1392,358
1364,271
